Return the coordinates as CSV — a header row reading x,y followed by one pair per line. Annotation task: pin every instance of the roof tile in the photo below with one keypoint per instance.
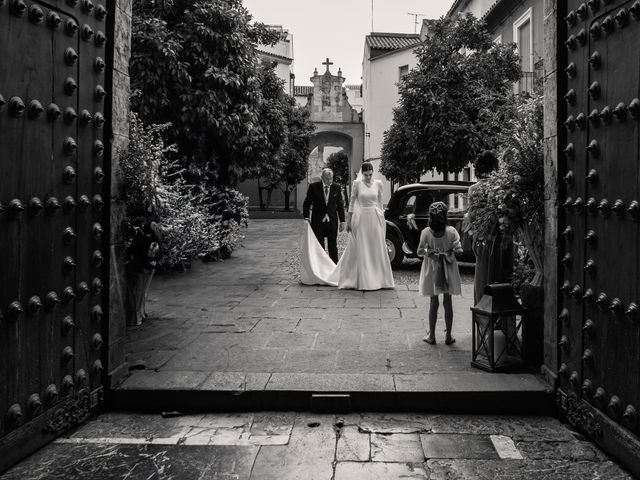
x,y
392,41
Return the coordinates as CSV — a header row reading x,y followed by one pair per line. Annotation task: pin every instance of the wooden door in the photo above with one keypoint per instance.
x,y
599,324
52,219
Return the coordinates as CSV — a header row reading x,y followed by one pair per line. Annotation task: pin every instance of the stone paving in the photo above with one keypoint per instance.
x,y
248,324
302,446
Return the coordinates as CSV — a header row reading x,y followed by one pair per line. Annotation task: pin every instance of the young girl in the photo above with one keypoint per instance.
x,y
439,244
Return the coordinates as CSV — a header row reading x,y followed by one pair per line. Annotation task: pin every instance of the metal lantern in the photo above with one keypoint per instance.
x,y
497,330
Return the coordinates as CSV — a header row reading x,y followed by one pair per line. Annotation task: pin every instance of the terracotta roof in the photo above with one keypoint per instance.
x,y
491,9
392,41
457,4
264,53
302,90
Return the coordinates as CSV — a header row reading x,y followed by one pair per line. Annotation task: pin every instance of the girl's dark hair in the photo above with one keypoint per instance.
x,y
366,167
437,225
486,163
438,216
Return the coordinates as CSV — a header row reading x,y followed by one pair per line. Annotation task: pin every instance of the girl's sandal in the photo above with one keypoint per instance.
x,y
429,339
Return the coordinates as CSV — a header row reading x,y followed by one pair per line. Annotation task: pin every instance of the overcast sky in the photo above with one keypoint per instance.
x,y
337,28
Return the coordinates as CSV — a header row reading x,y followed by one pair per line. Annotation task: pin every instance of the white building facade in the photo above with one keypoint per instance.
x,y
282,55
387,57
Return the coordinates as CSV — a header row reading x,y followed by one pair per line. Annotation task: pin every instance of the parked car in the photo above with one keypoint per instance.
x,y
416,198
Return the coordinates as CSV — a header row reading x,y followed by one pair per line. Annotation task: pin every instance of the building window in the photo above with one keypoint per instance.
x,y
402,71
523,37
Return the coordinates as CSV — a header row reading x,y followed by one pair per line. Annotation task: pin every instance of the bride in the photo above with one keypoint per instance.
x,y
365,264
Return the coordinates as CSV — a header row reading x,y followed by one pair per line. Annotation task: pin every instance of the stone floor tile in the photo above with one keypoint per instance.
x,y
505,447
271,428
254,360
516,427
226,420
524,470
363,362
387,423
575,450
353,445
396,447
310,361
330,382
134,425
166,380
149,360
462,381
268,325
378,470
445,445
291,341
236,381
309,454
384,341
338,341
103,462
350,325
318,325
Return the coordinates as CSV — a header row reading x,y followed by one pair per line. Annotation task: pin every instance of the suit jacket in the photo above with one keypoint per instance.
x,y
314,201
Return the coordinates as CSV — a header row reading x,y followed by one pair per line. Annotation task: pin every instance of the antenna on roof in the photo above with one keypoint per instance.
x,y
415,20
371,16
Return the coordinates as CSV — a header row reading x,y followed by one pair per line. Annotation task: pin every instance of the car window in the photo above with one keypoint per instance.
x,y
456,201
423,201
410,205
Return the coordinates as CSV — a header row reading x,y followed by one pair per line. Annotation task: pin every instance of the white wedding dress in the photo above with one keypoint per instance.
x,y
365,264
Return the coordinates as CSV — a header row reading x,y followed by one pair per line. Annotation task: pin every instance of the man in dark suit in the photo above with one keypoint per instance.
x,y
324,199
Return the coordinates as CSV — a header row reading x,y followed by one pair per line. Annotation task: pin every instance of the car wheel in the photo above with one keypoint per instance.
x,y
394,248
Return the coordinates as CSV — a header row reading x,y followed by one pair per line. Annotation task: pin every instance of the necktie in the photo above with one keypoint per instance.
x,y
326,201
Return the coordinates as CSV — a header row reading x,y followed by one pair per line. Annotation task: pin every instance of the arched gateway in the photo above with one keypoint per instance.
x,y
337,124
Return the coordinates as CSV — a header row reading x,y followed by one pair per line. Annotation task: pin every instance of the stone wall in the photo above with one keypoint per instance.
x,y
120,132
551,142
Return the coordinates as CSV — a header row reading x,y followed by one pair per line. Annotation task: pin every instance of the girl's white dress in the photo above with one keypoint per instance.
x,y
365,264
447,263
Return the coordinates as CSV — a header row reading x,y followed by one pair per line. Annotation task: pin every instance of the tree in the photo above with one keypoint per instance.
x,y
287,128
455,101
401,161
294,154
195,66
339,163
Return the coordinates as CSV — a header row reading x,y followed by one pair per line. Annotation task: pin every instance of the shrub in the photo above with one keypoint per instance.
x,y
515,192
186,222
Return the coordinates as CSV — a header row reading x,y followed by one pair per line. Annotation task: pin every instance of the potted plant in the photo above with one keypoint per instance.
x,y
514,200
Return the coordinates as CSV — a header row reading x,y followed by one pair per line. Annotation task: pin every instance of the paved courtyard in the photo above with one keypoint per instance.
x,y
248,324
296,446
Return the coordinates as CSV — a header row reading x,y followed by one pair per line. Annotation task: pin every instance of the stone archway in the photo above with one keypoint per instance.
x,y
347,136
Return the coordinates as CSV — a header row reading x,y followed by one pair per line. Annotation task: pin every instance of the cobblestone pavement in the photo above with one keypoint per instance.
x,y
301,446
248,324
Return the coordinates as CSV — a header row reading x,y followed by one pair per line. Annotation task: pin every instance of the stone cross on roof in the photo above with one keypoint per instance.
x,y
327,63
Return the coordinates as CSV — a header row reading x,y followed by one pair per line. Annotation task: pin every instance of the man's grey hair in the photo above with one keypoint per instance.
x,y
327,170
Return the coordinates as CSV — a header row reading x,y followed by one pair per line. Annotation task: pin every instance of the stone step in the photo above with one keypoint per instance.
x,y
434,393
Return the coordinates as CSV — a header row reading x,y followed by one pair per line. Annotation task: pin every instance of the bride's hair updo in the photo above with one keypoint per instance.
x,y
366,167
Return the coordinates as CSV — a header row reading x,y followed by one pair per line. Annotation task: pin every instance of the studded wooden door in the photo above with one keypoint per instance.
x,y
599,325
52,213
